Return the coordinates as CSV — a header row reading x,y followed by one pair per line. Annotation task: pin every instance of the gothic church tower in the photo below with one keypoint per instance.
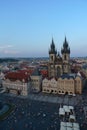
x,y
66,57
52,59
52,52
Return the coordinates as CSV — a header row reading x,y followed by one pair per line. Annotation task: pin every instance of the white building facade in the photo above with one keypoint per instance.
x,y
15,85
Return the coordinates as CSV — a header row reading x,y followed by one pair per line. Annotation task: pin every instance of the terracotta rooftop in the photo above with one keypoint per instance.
x,y
13,76
26,71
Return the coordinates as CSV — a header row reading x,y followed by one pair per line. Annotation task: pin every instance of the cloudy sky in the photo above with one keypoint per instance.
x,y
27,27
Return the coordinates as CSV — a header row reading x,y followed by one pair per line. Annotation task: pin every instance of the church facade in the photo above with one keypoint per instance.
x,y
59,65
60,79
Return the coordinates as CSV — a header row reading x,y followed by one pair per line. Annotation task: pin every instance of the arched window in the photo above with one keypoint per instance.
x,y
64,57
52,58
58,71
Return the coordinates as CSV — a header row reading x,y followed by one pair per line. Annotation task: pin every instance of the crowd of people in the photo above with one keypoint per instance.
x,y
38,115
81,112
31,115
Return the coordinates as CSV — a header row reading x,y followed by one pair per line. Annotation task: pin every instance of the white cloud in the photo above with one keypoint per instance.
x,y
11,52
8,50
6,46
9,46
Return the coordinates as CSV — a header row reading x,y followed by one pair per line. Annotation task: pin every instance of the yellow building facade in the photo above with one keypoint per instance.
x,y
63,85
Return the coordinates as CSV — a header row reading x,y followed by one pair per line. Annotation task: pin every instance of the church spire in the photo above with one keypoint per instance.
x,y
65,40
65,48
52,48
52,44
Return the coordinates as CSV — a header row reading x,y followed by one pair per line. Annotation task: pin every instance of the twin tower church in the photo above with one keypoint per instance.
x,y
60,79
58,64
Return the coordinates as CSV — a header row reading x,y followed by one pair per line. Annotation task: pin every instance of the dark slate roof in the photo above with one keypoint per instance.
x,y
36,72
68,76
84,66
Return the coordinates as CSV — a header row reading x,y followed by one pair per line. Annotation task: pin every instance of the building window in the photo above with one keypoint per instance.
x,y
64,57
78,81
52,91
52,58
70,92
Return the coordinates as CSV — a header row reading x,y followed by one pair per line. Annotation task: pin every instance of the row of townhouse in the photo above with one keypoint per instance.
x,y
70,84
22,83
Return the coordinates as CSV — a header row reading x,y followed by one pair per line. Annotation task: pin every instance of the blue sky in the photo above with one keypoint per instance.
x,y
27,27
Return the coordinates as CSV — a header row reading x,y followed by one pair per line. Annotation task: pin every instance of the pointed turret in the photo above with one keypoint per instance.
x,y
52,48
58,55
65,48
59,59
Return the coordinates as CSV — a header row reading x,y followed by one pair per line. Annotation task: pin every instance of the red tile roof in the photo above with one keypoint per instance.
x,y
44,73
26,71
18,76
